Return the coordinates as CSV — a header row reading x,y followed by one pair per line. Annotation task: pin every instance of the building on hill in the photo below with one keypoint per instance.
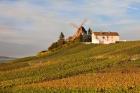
x,y
81,34
88,36
105,37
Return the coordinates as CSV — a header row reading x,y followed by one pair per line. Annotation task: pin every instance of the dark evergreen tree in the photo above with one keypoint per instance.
x,y
89,31
61,36
59,43
89,35
85,37
61,40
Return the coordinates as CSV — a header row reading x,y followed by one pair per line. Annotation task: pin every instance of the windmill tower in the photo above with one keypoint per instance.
x,y
80,30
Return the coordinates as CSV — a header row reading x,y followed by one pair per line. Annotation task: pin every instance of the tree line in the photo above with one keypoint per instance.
x,y
85,37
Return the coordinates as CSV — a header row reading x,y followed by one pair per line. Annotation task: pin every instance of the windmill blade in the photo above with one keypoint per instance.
x,y
74,25
83,22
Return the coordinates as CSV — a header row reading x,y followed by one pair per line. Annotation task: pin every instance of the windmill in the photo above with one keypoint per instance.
x,y
80,30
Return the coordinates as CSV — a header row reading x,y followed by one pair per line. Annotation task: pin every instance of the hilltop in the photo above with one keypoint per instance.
x,y
76,67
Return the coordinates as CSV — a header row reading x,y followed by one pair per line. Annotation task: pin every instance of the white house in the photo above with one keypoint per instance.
x,y
105,37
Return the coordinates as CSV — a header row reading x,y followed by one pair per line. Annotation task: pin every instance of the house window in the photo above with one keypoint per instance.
x,y
107,38
96,37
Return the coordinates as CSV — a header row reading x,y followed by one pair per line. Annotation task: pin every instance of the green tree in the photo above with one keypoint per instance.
x,y
89,31
59,43
61,40
89,35
61,37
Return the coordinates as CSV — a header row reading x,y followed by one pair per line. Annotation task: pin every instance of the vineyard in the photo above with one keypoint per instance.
x,y
76,68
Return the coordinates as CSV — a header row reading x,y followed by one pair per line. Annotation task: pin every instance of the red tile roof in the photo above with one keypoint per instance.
x,y
106,33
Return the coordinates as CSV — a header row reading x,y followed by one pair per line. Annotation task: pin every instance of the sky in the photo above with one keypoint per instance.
x,y
29,26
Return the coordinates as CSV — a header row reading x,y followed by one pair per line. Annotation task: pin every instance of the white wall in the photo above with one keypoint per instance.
x,y
94,40
104,39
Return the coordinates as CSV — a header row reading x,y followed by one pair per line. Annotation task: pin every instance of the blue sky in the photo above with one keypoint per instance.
x,y
28,26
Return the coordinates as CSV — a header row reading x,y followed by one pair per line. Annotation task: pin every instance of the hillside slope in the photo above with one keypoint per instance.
x,y
64,69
